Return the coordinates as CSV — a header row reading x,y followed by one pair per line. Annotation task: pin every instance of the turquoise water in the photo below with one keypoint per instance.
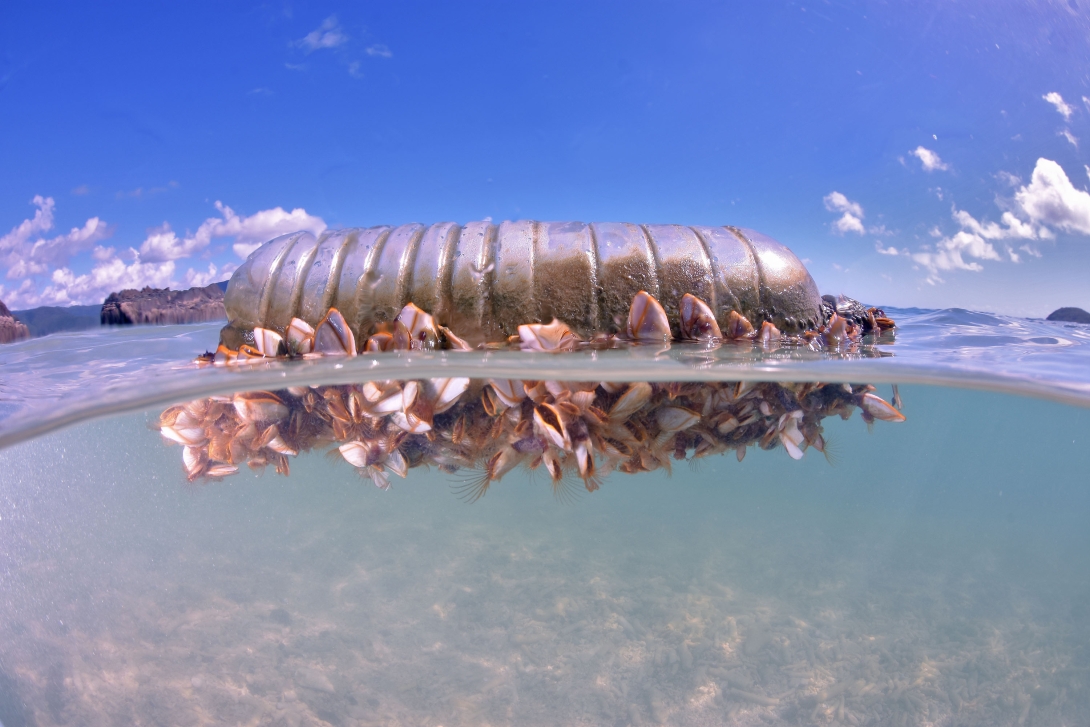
x,y
934,572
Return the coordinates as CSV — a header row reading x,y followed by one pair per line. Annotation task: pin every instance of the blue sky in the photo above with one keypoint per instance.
x,y
913,153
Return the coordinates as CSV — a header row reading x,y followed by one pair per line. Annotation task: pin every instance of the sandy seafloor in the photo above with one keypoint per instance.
x,y
937,574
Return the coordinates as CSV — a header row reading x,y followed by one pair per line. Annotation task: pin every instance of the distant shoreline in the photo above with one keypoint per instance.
x,y
48,319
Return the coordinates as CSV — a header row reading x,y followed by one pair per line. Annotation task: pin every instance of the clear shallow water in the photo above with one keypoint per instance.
x,y
937,573
63,378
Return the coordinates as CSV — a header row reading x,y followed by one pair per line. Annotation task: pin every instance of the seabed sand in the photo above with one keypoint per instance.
x,y
939,574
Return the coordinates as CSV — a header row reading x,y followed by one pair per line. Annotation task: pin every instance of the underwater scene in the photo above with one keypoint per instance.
x,y
482,364
545,548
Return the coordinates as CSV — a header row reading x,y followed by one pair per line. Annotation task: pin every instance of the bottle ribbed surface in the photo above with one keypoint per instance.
x,y
484,279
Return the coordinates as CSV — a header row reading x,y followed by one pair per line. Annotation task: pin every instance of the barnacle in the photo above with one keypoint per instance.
x,y
488,428
647,322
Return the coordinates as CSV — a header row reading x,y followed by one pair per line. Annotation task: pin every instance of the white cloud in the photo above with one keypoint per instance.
x,y
849,223
15,299
328,35
1012,227
24,250
852,218
929,159
1058,101
163,244
28,254
891,250
379,50
102,254
950,252
1051,199
837,202
1071,138
67,288
109,275
195,279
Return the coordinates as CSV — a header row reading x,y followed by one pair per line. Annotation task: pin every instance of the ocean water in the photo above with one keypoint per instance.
x,y
934,571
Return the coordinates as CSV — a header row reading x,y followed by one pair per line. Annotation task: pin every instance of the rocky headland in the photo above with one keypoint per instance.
x,y
10,328
163,306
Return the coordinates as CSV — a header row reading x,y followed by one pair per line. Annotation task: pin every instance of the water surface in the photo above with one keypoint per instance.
x,y
935,572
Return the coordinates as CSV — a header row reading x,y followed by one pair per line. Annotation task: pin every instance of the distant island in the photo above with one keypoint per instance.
x,y
1069,315
148,306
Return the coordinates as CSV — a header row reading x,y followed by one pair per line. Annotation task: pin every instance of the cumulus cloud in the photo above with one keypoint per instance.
x,y
109,275
848,223
163,244
26,251
1012,227
1071,138
929,159
950,252
1057,100
328,35
891,250
380,51
31,255
1051,199
197,279
68,288
852,218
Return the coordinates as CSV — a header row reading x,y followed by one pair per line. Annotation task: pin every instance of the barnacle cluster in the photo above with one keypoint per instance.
x,y
573,431
415,329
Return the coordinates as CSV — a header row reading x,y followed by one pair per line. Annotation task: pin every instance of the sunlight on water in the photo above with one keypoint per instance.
x,y
935,573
